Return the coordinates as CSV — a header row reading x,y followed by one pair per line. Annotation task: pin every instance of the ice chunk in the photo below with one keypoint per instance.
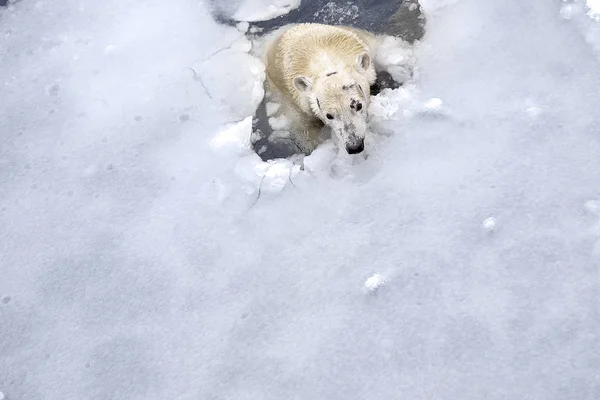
x,y
243,26
382,107
432,108
279,123
251,170
272,108
262,10
374,282
396,56
234,139
489,224
594,6
277,175
319,161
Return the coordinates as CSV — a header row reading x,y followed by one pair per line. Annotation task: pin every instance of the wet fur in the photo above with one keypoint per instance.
x,y
318,52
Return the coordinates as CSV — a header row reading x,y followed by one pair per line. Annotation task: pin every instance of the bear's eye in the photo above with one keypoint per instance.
x,y
358,106
329,116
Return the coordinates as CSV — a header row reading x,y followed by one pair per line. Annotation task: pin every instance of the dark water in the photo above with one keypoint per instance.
x,y
402,18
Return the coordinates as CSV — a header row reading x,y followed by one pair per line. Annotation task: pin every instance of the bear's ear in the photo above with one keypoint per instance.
x,y
302,83
363,62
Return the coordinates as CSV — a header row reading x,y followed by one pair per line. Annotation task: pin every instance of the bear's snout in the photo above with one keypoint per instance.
x,y
356,148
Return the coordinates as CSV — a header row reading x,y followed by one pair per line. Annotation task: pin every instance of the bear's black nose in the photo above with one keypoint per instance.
x,y
356,148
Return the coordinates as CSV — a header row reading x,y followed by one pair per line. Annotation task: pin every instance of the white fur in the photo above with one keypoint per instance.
x,y
321,75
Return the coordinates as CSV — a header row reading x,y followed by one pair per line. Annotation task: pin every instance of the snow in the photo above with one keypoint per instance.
x,y
374,282
272,108
489,224
148,253
594,9
396,57
262,10
585,14
234,138
243,26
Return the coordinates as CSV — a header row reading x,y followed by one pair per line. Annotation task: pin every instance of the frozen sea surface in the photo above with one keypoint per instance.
x,y
147,253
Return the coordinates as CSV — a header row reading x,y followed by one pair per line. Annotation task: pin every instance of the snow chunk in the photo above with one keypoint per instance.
x,y
243,26
279,123
489,224
277,175
272,108
277,135
262,10
235,138
319,161
374,282
396,56
387,104
594,6
433,107
382,108
268,177
250,169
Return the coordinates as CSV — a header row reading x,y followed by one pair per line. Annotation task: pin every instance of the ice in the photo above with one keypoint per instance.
x,y
585,14
262,10
396,56
374,282
489,224
148,253
244,89
382,107
277,175
594,9
320,160
279,123
243,26
234,138
272,108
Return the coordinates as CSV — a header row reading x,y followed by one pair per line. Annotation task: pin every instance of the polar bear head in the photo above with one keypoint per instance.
x,y
340,99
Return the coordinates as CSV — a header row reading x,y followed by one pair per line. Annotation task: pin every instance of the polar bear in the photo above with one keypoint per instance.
x,y
321,75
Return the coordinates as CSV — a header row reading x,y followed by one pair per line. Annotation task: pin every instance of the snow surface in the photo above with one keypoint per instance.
x,y
262,10
148,253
